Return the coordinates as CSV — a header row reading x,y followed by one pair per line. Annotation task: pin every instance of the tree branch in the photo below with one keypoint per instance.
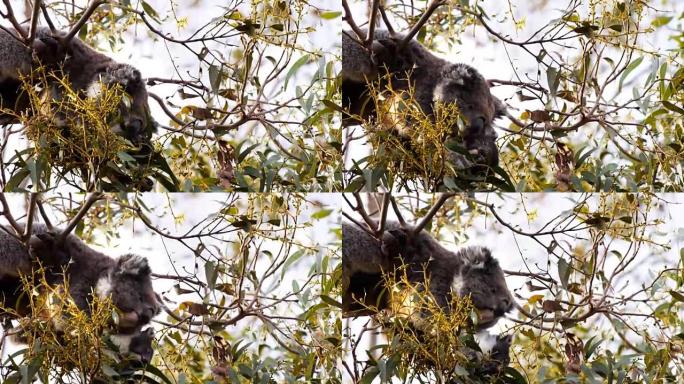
x,y
10,16
34,22
92,199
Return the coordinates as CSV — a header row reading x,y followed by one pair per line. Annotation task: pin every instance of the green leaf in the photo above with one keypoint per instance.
x,y
329,300
673,108
677,296
210,273
295,67
553,79
661,20
321,214
292,259
329,15
215,77
150,11
632,66
564,272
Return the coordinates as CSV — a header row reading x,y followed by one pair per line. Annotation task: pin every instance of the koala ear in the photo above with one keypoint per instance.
x,y
133,265
124,74
506,339
390,44
454,75
499,108
477,258
149,332
401,235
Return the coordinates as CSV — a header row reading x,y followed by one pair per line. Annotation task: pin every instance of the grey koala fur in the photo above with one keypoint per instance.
x,y
433,80
469,271
126,279
85,68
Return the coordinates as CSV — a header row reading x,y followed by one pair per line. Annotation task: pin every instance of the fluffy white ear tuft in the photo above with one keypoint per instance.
x,y
476,257
135,265
104,286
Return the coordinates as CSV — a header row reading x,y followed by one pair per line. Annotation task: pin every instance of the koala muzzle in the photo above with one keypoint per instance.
x,y
128,322
146,315
504,307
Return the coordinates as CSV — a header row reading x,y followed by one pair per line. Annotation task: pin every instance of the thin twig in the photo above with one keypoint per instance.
x,y
46,16
33,198
10,16
8,216
34,22
92,199
386,20
43,214
383,213
371,24
397,212
350,20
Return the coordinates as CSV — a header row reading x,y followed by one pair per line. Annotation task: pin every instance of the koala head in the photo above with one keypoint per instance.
x,y
130,288
138,346
465,86
135,123
482,278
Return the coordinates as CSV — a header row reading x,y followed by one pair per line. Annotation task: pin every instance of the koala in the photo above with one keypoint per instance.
x,y
434,81
87,71
126,279
470,271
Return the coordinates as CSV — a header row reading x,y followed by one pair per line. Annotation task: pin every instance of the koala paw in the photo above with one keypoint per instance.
x,y
135,265
458,161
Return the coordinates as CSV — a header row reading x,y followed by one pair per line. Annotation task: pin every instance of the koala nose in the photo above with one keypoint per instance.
x,y
147,314
506,305
478,124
